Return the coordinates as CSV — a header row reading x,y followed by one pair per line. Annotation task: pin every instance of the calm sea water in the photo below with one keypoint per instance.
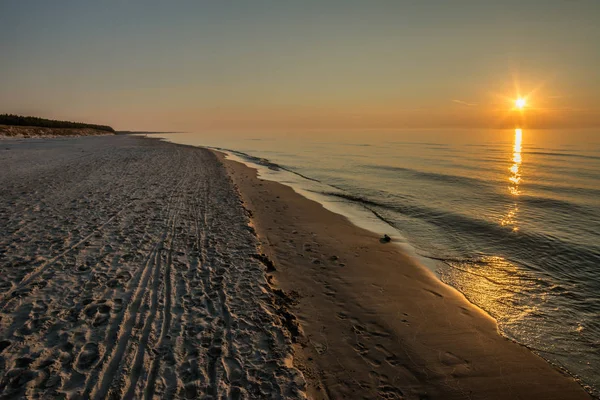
x,y
511,218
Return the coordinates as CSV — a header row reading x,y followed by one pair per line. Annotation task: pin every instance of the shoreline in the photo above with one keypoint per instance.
x,y
361,217
456,353
375,224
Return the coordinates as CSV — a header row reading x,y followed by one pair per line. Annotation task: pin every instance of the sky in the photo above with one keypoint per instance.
x,y
310,64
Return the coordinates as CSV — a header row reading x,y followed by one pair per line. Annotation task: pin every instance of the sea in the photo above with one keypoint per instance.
x,y
509,217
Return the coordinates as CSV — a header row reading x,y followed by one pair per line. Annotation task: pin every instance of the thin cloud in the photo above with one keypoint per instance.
x,y
464,103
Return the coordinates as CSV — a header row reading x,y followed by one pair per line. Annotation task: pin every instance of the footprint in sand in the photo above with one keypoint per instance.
x,y
4,344
23,362
387,391
88,356
233,369
100,313
51,381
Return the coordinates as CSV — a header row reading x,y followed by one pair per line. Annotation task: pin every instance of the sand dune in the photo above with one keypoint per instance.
x,y
11,131
128,270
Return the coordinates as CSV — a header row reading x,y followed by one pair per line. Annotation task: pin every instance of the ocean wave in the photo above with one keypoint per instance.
x,y
522,245
560,154
433,176
569,190
536,201
556,205
267,163
357,144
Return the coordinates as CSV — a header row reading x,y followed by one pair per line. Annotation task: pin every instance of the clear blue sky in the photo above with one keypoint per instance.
x,y
326,64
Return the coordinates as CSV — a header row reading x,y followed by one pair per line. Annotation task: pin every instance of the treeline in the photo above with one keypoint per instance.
x,y
18,120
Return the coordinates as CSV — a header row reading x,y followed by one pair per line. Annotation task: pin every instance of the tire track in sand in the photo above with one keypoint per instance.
x,y
109,368
167,314
138,365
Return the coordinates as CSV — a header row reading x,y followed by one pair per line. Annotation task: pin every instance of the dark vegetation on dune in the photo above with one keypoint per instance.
x,y
18,120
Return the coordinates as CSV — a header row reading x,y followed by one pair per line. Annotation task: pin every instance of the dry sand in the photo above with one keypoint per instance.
x,y
376,324
128,270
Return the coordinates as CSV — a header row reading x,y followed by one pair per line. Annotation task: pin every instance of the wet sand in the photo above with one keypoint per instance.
x,y
377,325
127,270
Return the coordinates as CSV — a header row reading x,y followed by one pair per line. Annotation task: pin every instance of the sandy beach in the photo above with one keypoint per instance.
x,y
135,268
127,271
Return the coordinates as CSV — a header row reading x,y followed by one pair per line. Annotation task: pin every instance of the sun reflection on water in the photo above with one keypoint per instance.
x,y
498,286
515,169
515,180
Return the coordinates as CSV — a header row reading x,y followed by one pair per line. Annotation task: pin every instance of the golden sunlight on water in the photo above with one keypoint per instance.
x,y
485,283
515,180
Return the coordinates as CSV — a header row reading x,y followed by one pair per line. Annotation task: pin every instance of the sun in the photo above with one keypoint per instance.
x,y
520,103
